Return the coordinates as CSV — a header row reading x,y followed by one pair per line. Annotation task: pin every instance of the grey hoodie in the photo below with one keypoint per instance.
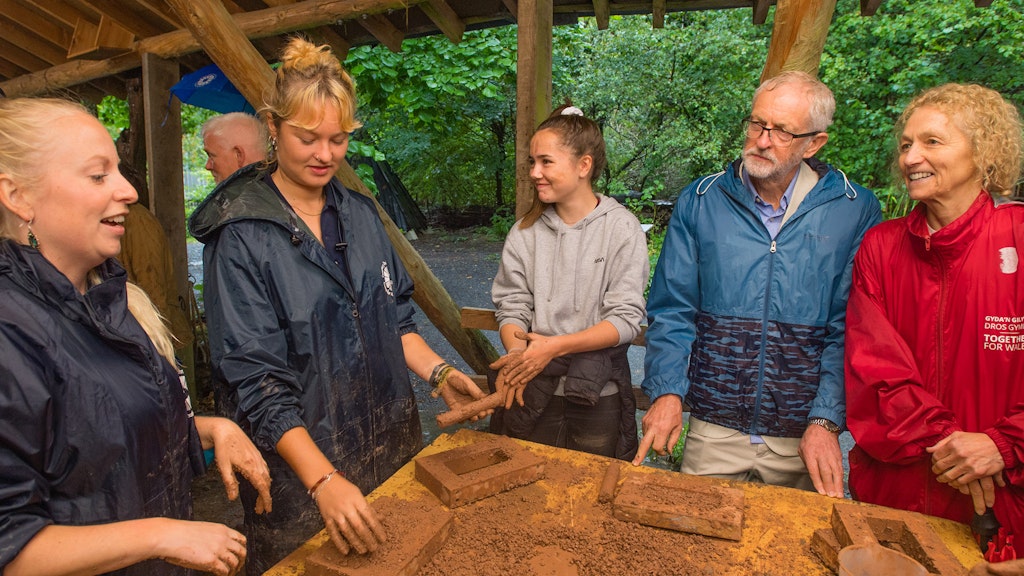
x,y
556,279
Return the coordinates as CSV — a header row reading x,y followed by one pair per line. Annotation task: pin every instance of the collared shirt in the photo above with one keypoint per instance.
x,y
770,216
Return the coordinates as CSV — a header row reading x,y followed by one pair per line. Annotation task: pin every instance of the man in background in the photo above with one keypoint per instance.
x,y
232,141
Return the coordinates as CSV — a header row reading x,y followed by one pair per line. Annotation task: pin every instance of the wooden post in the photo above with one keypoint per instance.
x,y
798,36
533,88
227,45
167,190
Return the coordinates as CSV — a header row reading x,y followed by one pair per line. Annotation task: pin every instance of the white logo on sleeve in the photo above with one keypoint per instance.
x,y
385,275
1008,260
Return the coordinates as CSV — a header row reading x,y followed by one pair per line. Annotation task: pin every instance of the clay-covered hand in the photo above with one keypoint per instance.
x,y
662,425
540,350
234,451
459,389
819,449
351,522
963,457
201,546
514,357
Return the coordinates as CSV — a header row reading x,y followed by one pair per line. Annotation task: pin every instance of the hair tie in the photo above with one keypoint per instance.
x,y
571,111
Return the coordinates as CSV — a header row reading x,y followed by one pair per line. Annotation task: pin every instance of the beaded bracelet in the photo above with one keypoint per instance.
x,y
315,489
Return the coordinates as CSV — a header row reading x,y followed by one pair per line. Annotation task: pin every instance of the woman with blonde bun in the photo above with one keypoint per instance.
x,y
311,320
98,443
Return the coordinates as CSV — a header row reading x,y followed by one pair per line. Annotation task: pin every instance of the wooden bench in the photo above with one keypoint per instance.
x,y
485,319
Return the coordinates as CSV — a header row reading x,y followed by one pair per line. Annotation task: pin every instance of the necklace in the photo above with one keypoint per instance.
x,y
317,213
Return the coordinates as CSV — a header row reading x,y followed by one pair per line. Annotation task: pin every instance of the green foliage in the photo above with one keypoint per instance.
x,y
876,65
443,114
113,113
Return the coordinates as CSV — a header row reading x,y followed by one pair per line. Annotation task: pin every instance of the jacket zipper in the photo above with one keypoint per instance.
x,y
764,339
939,344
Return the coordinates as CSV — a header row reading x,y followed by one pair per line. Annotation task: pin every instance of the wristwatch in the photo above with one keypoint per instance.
x,y
826,424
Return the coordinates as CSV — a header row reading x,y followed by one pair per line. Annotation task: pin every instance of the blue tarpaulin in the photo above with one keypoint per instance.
x,y
210,88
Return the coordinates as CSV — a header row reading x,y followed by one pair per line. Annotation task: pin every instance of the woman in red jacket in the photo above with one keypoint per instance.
x,y
935,320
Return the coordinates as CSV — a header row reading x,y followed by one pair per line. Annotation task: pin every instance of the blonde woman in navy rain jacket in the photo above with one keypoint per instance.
x,y
98,446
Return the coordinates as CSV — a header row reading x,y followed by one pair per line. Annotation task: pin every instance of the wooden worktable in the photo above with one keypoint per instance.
x,y
777,527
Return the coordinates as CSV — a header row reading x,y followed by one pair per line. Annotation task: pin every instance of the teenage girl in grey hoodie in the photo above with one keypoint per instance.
x,y
569,295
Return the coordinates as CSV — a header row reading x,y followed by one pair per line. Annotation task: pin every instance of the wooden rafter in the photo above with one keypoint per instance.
x,y
383,30
20,57
63,12
798,36
138,22
447,21
321,34
658,14
761,11
258,24
602,13
46,28
33,44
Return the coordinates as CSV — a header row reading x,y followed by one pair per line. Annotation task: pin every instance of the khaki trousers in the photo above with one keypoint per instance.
x,y
713,450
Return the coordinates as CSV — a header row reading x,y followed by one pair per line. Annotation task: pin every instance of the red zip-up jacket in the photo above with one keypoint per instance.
x,y
935,344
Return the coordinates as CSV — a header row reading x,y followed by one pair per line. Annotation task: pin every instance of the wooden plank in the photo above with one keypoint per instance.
x,y
602,13
869,7
162,116
761,11
383,30
658,14
321,34
137,21
29,41
20,57
486,319
259,24
447,21
982,3
533,88
798,36
48,29
63,12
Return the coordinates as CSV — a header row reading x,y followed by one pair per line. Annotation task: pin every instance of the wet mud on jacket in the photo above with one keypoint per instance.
x,y
935,344
746,328
295,341
94,425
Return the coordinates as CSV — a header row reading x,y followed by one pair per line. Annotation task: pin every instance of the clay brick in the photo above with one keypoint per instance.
x,y
682,503
825,546
410,544
479,470
906,532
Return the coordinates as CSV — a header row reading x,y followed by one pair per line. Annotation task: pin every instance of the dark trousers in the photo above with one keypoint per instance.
x,y
593,429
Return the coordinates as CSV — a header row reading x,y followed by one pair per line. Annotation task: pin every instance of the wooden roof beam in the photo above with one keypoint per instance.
x,y
798,36
761,11
130,17
258,24
513,8
321,34
46,28
602,13
869,7
383,30
32,43
447,21
63,12
658,14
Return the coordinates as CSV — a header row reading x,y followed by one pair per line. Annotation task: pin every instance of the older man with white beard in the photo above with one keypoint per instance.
x,y
748,302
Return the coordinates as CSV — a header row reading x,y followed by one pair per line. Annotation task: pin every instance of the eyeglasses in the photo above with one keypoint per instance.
x,y
777,135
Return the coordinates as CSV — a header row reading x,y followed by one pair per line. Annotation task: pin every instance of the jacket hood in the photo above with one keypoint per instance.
x,y
243,196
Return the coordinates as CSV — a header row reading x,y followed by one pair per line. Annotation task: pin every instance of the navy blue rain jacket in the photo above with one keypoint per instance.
x,y
94,426
297,340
